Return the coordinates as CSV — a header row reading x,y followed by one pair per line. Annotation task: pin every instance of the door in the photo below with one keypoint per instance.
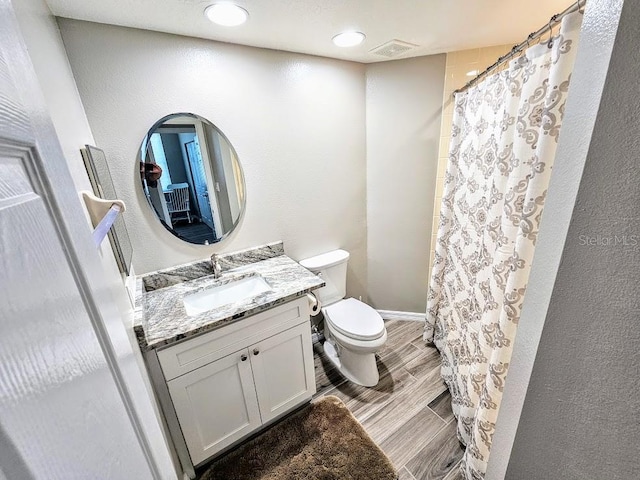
x,y
200,182
220,182
216,404
283,371
65,409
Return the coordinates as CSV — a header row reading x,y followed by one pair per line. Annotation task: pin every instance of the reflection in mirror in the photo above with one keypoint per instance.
x,y
192,178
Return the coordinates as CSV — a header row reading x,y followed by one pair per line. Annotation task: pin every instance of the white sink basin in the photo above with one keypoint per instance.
x,y
218,296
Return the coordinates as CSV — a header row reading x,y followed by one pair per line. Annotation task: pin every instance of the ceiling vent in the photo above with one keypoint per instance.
x,y
393,48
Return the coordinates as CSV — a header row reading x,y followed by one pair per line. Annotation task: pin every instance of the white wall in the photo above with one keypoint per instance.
x,y
49,59
404,104
580,415
577,416
47,53
296,121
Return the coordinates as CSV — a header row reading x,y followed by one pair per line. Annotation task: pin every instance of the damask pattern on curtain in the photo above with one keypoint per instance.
x,y
504,138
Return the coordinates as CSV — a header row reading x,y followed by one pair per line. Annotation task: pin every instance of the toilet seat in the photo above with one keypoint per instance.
x,y
355,319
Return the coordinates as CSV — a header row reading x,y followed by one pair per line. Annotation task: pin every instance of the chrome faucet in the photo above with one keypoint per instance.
x,y
217,269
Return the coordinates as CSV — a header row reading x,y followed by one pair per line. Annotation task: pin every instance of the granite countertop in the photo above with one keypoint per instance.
x,y
163,320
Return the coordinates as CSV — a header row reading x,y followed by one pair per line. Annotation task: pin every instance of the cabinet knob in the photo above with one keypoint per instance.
x,y
256,351
243,358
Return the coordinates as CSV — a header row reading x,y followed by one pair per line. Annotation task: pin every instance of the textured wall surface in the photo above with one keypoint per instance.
x,y
580,413
56,80
296,121
404,103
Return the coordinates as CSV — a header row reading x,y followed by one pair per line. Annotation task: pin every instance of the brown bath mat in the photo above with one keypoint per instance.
x,y
323,441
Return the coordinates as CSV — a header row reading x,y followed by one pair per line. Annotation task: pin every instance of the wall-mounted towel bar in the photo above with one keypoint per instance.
x,y
103,213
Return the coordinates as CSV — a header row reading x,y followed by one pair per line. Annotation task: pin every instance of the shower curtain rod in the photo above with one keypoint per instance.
x,y
553,21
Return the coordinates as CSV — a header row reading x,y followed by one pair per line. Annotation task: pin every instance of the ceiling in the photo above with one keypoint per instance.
x,y
307,26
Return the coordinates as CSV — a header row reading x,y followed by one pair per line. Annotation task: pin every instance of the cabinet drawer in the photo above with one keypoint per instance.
x,y
198,351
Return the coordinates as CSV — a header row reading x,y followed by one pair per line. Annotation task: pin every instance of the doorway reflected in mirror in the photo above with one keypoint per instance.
x,y
192,178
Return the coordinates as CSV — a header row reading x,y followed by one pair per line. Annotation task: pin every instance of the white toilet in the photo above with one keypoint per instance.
x,y
353,330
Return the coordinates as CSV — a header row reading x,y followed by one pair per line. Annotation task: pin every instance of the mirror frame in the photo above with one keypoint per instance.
x,y
145,145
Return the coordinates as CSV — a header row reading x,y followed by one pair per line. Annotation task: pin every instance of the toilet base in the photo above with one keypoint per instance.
x,y
360,368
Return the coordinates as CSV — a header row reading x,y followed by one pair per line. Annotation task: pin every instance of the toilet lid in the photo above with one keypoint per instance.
x,y
355,319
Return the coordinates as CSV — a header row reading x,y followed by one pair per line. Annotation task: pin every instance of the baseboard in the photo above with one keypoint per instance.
x,y
397,315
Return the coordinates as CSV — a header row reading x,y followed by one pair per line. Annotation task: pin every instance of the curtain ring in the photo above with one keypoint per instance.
x,y
529,38
551,20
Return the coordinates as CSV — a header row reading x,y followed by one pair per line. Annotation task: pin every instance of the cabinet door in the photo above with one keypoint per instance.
x,y
216,404
283,371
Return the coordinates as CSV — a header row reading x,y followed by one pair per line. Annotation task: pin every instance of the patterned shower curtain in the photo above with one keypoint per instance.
x,y
503,143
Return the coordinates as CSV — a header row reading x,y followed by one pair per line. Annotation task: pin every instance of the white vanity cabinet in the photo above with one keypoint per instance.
x,y
226,384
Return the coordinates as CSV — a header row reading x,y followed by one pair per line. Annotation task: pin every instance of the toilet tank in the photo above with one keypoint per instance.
x,y
332,267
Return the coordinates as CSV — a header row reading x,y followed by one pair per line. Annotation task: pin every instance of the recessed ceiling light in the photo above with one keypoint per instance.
x,y
226,14
349,39
473,73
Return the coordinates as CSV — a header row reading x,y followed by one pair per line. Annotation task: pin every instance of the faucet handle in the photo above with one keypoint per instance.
x,y
215,264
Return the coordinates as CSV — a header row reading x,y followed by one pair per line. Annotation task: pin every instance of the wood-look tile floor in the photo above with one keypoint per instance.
x,y
408,414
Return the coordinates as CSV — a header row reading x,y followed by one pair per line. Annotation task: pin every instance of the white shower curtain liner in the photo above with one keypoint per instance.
x,y
504,137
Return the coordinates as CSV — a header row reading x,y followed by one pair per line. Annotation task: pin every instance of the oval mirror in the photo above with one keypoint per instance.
x,y
192,179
